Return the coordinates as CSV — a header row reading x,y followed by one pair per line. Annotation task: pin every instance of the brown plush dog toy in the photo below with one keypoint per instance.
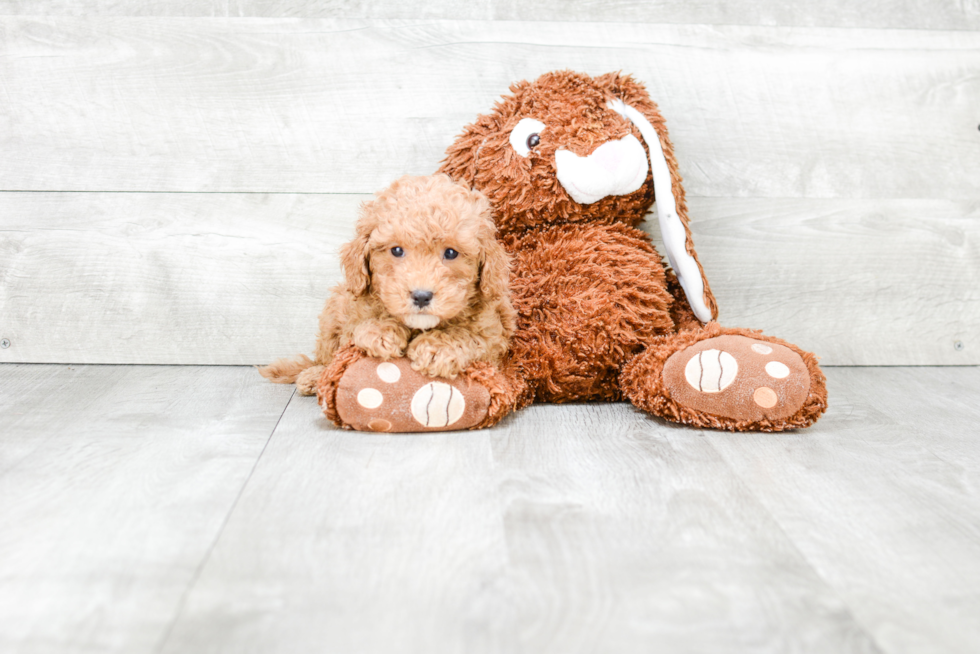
x,y
571,165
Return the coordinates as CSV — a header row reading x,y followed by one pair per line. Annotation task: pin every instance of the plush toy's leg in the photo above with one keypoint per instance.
x,y
363,393
722,378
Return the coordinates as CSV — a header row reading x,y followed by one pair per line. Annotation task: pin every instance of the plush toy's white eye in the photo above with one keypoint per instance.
x,y
525,135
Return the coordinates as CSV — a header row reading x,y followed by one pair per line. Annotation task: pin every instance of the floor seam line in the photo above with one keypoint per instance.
x,y
221,530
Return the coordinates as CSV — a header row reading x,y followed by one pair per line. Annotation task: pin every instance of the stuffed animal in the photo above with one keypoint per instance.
x,y
571,165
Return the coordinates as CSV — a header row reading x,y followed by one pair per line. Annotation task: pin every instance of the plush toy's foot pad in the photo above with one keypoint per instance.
x,y
724,378
375,395
732,376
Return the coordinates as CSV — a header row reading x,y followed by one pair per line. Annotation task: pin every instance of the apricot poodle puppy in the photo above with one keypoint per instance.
x,y
424,278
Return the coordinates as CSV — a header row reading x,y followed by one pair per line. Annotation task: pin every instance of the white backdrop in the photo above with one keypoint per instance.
x,y
174,185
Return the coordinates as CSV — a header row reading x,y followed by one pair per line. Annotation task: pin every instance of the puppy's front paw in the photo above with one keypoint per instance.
x,y
435,359
380,341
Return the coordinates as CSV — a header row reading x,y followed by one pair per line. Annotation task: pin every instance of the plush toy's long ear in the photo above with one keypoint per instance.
x,y
630,100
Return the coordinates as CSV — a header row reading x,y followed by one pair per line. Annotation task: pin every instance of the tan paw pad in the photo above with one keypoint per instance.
x,y
765,397
370,398
437,404
388,372
711,371
777,370
379,424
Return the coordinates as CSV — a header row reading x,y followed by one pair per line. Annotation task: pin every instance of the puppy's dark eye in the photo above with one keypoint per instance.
x,y
450,253
397,251
532,141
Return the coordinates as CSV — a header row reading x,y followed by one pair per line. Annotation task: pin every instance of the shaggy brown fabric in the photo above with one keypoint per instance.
x,y
508,391
680,311
644,385
587,301
525,191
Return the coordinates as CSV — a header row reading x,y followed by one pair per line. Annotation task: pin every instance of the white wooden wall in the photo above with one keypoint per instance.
x,y
176,177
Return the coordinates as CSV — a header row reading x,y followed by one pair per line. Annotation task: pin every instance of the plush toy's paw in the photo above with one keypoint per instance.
x,y
737,377
729,379
376,395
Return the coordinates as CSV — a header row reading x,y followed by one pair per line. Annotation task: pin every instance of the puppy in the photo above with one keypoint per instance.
x,y
424,278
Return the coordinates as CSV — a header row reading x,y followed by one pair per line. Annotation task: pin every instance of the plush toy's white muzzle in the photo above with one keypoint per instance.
x,y
614,168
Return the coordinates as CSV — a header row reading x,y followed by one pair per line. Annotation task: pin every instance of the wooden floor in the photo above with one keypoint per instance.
x,y
191,509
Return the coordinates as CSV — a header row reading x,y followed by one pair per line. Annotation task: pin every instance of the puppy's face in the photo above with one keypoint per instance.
x,y
425,246
424,281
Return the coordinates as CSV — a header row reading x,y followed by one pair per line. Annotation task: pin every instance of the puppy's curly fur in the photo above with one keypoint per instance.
x,y
420,235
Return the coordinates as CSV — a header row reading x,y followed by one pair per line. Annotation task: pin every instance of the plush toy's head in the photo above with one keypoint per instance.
x,y
570,148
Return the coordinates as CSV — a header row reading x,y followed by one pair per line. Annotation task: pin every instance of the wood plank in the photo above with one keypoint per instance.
x,y
629,535
241,278
881,497
574,528
166,278
910,14
353,542
115,482
197,104
859,282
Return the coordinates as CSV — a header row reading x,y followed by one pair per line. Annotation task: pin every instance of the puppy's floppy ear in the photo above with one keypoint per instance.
x,y
494,261
354,255
494,270
354,262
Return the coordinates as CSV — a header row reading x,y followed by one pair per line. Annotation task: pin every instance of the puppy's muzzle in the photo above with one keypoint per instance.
x,y
421,298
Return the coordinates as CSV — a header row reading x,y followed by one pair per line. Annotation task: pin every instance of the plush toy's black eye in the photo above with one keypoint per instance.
x,y
450,253
397,251
526,135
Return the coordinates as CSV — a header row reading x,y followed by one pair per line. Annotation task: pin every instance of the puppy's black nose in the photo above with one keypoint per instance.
x,y
421,298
